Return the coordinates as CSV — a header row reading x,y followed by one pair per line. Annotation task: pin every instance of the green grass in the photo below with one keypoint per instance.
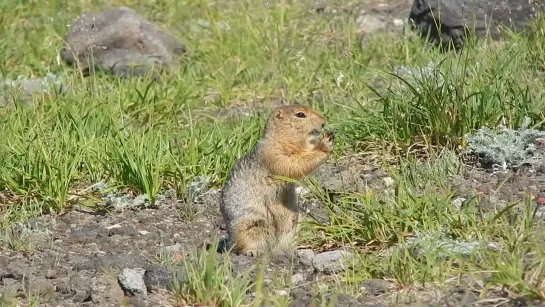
x,y
150,136
211,282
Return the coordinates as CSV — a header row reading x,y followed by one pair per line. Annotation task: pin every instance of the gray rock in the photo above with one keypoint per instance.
x,y
161,276
383,17
170,249
457,202
28,89
370,23
132,281
332,262
120,41
297,278
305,256
445,21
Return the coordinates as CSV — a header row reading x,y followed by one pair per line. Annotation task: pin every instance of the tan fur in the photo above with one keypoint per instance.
x,y
261,212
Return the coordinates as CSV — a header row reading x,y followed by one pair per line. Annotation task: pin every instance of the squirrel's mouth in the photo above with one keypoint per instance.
x,y
314,135
315,132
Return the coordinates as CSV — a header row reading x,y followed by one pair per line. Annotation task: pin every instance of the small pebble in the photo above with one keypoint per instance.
x,y
172,248
281,292
388,181
297,278
51,274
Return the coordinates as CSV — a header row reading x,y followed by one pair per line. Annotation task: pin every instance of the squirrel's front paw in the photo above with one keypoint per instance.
x,y
330,135
328,140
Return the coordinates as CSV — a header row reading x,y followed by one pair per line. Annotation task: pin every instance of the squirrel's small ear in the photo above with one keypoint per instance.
x,y
279,114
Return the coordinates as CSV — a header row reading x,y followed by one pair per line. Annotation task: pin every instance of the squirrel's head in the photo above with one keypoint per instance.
x,y
295,123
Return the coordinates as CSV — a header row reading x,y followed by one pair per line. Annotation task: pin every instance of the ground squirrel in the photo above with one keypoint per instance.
x,y
260,211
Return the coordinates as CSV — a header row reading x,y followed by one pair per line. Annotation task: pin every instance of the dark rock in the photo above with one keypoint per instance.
x,y
241,263
124,231
342,300
84,264
301,298
82,296
77,288
161,276
51,274
10,286
375,287
88,234
17,270
223,245
120,41
105,291
63,286
461,295
446,21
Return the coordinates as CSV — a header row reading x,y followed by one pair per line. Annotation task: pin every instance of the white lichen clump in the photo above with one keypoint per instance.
x,y
506,147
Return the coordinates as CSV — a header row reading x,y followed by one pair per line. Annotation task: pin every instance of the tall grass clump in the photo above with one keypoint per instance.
x,y
43,156
452,95
210,281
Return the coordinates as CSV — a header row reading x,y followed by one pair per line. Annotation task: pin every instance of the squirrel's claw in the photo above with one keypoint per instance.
x,y
330,135
251,253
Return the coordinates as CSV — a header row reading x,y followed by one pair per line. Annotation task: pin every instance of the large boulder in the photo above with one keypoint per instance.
x,y
121,42
446,21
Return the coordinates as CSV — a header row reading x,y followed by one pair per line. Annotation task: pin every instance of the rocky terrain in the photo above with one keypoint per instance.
x,y
132,254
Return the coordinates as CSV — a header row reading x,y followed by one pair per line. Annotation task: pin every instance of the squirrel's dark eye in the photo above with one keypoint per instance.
x,y
300,115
